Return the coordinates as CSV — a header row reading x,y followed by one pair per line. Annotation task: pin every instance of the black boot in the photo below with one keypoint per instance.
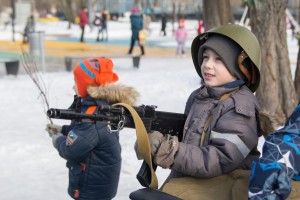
x,y
143,50
131,47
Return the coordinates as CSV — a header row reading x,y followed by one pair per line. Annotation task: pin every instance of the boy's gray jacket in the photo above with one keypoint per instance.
x,y
232,136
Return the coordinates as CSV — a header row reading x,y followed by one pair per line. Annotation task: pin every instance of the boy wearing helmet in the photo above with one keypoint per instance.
x,y
221,131
93,153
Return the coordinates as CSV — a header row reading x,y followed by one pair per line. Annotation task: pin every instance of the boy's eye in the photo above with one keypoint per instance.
x,y
205,56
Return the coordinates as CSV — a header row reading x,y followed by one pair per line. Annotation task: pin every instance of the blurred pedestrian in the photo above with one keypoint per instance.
x,y
147,19
163,24
293,30
5,17
136,21
181,36
200,28
83,21
104,17
97,20
29,28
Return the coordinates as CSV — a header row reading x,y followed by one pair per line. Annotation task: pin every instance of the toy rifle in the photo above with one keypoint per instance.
x,y
117,118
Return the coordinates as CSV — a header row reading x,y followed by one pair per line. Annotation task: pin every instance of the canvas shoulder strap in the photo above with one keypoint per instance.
x,y
143,143
207,123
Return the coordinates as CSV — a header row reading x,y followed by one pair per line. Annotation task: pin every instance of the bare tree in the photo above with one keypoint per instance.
x,y
276,92
216,13
297,74
68,12
32,71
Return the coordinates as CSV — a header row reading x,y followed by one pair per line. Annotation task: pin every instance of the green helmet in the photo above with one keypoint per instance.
x,y
243,37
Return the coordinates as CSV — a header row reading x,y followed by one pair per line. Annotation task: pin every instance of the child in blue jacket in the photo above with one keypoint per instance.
x,y
272,174
93,153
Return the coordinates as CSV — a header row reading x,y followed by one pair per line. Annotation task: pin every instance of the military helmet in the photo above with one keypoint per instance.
x,y
244,38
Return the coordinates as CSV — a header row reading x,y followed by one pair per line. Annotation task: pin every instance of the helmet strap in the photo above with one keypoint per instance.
x,y
250,74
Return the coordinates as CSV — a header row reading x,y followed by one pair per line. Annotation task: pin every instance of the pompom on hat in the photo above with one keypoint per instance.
x,y
135,10
93,72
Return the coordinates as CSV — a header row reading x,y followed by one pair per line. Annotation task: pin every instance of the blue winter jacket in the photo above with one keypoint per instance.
x,y
136,25
93,157
280,162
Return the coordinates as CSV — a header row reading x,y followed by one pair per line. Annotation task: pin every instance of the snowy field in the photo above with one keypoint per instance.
x,y
31,168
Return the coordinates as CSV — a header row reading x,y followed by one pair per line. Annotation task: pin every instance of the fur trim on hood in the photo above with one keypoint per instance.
x,y
267,123
114,93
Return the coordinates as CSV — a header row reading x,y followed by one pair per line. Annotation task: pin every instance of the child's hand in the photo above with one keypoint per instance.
x,y
165,155
155,139
53,129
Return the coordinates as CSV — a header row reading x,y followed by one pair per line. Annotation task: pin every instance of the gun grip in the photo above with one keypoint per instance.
x,y
144,174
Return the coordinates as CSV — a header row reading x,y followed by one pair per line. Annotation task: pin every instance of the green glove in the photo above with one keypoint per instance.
x,y
165,154
155,139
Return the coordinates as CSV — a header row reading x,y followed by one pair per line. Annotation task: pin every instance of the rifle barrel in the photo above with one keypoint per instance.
x,y
72,115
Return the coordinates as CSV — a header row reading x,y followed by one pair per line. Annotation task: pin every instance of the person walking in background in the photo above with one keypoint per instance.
x,y
29,28
5,17
104,18
92,152
163,24
83,21
200,27
181,35
136,21
147,20
97,22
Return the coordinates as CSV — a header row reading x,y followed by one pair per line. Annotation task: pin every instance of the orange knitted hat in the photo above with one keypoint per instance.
x,y
93,72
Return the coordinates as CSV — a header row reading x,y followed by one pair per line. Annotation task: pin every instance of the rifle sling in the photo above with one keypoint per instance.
x,y
143,143
207,123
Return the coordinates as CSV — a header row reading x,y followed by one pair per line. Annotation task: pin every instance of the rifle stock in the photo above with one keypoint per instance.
x,y
164,122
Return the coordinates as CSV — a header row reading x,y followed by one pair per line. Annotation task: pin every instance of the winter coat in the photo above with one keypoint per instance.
x,y
232,137
83,18
93,153
104,20
181,35
163,22
136,21
272,173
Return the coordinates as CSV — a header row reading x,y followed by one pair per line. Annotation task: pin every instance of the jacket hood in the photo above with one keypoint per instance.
x,y
114,93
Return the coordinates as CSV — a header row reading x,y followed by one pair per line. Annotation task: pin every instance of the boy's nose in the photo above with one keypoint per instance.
x,y
208,64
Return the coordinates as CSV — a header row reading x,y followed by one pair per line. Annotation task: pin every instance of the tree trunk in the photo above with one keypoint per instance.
x,y
297,75
276,92
216,13
173,16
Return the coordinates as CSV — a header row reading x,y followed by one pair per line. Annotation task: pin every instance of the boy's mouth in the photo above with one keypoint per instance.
x,y
208,75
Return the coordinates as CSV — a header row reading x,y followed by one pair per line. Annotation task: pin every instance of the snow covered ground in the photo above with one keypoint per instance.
x,y
31,168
